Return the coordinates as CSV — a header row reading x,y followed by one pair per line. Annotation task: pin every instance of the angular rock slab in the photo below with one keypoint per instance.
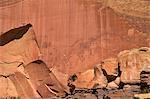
x,y
110,65
23,87
43,80
7,88
91,78
19,45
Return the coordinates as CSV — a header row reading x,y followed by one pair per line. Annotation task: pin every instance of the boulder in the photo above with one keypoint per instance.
x,y
62,77
112,85
18,47
42,77
99,78
7,88
24,89
132,63
84,79
110,65
91,78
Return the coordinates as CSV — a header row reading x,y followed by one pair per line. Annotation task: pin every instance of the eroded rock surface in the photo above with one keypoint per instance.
x,y
132,63
22,74
16,46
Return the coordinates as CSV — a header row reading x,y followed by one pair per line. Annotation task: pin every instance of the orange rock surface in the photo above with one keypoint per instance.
x,y
77,34
133,62
72,36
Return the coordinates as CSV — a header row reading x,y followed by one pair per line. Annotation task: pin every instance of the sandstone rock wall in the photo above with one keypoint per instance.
x,y
75,33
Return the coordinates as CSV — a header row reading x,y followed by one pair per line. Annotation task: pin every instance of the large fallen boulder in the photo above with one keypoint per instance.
x,y
91,78
18,47
22,86
17,44
132,63
110,65
42,77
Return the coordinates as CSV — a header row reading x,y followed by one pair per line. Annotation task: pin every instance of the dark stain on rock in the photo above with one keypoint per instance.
x,y
145,72
110,78
38,62
143,50
39,94
13,34
121,85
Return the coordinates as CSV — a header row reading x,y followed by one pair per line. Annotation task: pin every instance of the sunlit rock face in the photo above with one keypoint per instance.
x,y
115,34
21,73
135,8
17,44
18,47
96,79
80,33
43,80
110,65
73,36
132,63
7,3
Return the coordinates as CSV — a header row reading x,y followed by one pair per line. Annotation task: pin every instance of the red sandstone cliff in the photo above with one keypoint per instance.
x,y
75,34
